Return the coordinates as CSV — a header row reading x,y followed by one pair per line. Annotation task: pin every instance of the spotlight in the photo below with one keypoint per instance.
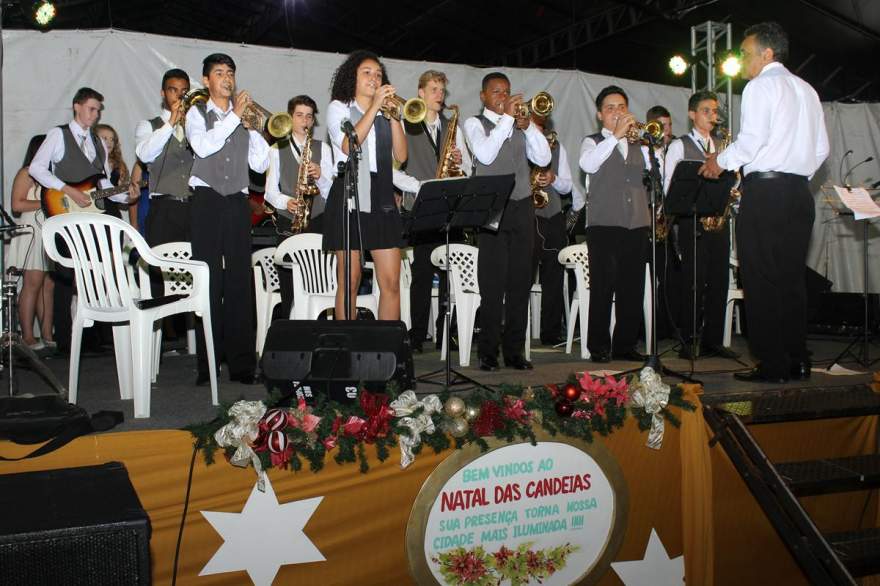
x,y
731,65
678,65
43,13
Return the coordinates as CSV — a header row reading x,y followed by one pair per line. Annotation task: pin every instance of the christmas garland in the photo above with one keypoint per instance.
x,y
252,433
477,567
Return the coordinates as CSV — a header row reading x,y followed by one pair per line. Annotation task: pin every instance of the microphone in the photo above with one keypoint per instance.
x,y
875,185
853,168
842,163
348,129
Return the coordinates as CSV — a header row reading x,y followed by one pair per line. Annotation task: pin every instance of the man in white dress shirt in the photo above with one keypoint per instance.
x,y
221,228
781,143
503,143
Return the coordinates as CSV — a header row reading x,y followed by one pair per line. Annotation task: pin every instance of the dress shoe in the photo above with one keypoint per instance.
x,y
518,362
488,363
202,379
631,355
416,348
553,341
600,356
800,370
719,351
756,375
245,378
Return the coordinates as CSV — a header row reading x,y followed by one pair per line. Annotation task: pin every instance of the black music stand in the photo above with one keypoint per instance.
x,y
691,195
461,202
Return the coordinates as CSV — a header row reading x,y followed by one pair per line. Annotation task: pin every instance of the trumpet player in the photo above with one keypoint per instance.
x,y
551,234
360,93
163,148
221,232
282,177
425,143
707,256
503,140
618,226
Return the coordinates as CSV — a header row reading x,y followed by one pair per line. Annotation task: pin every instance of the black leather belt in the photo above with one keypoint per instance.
x,y
773,175
168,197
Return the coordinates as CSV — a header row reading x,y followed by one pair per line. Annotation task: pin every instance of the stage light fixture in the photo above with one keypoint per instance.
x,y
678,65
731,65
44,13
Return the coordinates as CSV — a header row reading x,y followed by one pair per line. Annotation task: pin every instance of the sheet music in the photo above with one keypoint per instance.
x,y
859,201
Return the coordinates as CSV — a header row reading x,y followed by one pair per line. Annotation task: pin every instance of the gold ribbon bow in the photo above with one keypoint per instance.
x,y
652,395
240,433
404,406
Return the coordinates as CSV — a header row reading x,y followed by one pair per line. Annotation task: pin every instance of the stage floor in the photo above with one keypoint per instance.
x,y
177,402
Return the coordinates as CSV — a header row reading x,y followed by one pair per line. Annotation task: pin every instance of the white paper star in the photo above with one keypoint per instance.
x,y
656,569
263,537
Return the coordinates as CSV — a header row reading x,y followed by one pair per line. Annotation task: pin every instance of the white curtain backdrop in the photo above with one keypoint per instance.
x,y
42,71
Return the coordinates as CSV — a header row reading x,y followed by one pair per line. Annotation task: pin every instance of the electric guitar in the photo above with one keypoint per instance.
x,y
57,202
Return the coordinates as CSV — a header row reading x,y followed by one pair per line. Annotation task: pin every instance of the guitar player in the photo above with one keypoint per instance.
x,y
70,155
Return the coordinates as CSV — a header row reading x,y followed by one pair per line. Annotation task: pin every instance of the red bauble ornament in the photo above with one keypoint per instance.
x,y
564,408
277,442
275,419
571,392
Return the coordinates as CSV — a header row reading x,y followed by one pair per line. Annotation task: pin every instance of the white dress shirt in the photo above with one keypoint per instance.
x,y
273,194
337,112
594,155
675,154
150,143
486,148
52,151
409,184
782,127
205,143
563,182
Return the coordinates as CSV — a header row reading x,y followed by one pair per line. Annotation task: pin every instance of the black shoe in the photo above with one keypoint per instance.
x,y
553,341
518,362
202,379
800,370
600,356
719,351
756,375
416,348
488,363
632,355
245,378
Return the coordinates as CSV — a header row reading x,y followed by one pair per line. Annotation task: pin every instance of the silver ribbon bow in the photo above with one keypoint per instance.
x,y
652,395
240,433
404,406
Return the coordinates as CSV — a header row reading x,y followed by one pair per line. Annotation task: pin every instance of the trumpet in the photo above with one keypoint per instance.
x,y
635,132
412,110
278,125
542,104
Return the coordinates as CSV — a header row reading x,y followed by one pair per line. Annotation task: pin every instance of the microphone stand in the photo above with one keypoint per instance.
x,y
349,168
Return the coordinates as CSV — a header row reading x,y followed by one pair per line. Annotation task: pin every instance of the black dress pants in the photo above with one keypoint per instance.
x,y
772,234
712,263
504,273
423,271
168,220
617,273
550,238
221,237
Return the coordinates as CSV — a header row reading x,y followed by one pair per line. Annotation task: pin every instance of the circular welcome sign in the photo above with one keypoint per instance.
x,y
554,513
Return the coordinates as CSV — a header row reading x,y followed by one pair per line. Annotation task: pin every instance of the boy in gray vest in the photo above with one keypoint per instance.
x,y
424,142
551,235
163,148
503,144
617,229
221,228
710,252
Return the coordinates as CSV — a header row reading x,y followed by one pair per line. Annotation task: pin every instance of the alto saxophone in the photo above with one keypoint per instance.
x,y
305,188
447,167
540,198
716,223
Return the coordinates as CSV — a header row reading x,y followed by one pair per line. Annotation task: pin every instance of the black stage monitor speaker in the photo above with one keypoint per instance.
x,y
73,526
337,357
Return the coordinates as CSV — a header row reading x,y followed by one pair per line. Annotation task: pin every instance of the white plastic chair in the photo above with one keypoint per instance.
x,y
435,297
314,277
535,309
734,294
267,291
105,293
175,282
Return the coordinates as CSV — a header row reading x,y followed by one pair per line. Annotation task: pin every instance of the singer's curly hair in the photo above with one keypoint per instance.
x,y
344,81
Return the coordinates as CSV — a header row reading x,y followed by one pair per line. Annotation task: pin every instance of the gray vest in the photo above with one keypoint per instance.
x,y
421,159
617,195
555,205
74,167
288,171
170,171
511,159
692,150
226,171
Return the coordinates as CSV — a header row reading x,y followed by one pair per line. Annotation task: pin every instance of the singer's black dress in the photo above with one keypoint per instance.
x,y
382,227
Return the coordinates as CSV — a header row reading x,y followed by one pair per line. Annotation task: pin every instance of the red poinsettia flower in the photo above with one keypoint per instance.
x,y
502,556
378,424
515,409
468,567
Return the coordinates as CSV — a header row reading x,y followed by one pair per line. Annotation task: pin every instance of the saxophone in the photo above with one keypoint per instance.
x,y
716,223
446,166
540,198
296,222
661,222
